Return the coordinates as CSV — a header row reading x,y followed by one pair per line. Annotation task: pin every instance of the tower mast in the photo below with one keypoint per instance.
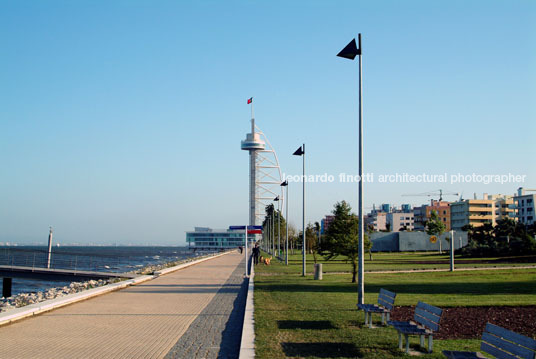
x,y
252,143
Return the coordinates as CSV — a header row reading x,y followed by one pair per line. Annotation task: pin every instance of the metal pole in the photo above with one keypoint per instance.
x,y
286,242
49,254
246,251
304,246
361,272
278,230
452,251
273,233
269,234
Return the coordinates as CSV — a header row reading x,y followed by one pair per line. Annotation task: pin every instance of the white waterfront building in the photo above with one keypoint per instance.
x,y
214,239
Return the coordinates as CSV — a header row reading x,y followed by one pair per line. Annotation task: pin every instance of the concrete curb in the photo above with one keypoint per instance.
x,y
187,264
247,343
45,306
41,307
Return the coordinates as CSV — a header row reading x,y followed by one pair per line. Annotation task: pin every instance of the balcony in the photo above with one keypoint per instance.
x,y
480,217
480,209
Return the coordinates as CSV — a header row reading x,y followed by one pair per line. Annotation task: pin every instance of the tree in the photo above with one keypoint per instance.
x,y
271,210
469,229
370,230
311,238
507,237
315,248
292,237
341,237
435,227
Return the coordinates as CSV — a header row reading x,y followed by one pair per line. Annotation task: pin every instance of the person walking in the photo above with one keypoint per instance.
x,y
256,253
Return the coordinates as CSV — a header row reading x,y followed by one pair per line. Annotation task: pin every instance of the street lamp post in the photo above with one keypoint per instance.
x,y
246,252
301,152
269,239
350,52
273,231
285,184
278,228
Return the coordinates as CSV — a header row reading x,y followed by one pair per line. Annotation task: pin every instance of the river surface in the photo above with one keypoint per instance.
x,y
94,258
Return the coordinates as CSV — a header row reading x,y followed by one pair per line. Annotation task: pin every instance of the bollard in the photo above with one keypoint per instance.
x,y
6,287
318,271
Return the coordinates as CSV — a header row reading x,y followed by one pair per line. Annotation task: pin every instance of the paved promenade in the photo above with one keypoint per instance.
x,y
150,320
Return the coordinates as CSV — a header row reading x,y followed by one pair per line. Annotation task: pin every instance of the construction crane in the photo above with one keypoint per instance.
x,y
439,192
521,191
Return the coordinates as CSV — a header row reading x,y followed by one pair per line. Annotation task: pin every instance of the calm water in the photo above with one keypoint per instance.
x,y
103,259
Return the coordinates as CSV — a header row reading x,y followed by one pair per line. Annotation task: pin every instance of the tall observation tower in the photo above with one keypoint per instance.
x,y
264,172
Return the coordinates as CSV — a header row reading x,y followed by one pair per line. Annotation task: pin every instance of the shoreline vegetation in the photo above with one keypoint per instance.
x,y
24,299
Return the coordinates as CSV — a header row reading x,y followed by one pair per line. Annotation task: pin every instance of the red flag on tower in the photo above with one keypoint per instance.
x,y
250,100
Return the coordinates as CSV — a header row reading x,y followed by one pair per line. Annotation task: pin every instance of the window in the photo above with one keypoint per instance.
x,y
444,212
529,200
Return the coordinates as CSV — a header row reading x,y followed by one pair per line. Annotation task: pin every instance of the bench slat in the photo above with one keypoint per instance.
x,y
511,336
386,304
428,315
395,323
430,308
372,308
462,355
496,352
388,293
433,326
386,298
507,346
426,319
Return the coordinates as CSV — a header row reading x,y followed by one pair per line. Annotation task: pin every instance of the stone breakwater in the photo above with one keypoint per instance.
x,y
23,299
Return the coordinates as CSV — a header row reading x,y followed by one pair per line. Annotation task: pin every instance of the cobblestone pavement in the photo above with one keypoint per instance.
x,y
217,331
143,321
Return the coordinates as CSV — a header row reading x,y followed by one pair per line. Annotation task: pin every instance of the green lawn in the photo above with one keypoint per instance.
x,y
301,317
402,261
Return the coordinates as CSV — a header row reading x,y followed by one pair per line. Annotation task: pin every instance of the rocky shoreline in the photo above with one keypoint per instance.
x,y
23,299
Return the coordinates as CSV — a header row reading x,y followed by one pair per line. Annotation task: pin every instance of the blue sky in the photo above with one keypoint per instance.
x,y
121,121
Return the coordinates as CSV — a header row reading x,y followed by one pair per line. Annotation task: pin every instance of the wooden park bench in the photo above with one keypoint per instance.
x,y
425,323
386,300
501,343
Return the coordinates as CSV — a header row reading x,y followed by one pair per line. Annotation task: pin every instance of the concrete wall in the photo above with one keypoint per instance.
x,y
413,241
385,241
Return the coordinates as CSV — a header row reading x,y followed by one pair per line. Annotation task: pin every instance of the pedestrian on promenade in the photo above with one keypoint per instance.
x,y
256,253
240,249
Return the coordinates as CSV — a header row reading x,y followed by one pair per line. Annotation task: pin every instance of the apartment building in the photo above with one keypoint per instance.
x,y
376,219
524,206
478,212
400,221
423,213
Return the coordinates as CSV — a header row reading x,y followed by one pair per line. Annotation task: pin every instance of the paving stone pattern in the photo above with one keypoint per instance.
x,y
142,321
217,331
